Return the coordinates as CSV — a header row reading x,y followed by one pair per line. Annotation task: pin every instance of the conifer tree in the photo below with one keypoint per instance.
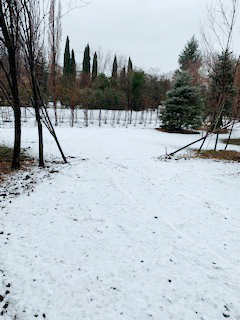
x,y
94,67
73,66
114,68
183,105
191,55
130,66
86,60
137,90
67,60
221,88
86,68
129,84
123,79
190,60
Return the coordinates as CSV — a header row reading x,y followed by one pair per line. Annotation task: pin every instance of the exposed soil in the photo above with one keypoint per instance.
x,y
235,142
220,155
182,131
6,161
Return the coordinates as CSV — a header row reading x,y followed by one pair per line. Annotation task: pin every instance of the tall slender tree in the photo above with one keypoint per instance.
x,y
86,60
130,66
67,60
73,66
94,67
9,27
129,83
86,67
123,79
115,68
54,39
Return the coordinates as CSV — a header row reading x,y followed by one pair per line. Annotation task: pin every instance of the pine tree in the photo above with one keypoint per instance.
x,y
114,68
67,60
183,105
73,66
86,60
94,67
190,60
191,55
221,89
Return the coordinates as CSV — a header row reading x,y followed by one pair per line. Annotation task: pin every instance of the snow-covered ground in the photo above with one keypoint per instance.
x,y
118,233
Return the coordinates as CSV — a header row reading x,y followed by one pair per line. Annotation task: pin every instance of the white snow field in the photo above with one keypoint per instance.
x,y
118,233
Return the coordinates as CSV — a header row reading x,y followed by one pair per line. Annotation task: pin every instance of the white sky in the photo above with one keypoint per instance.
x,y
152,32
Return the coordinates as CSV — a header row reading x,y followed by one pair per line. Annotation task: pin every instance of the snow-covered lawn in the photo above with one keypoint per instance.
x,y
119,234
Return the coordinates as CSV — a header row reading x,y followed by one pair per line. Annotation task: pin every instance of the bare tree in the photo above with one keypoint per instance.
x,y
54,39
104,62
32,39
9,38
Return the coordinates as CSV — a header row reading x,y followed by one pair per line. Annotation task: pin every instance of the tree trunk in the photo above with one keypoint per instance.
x,y
40,137
17,138
216,142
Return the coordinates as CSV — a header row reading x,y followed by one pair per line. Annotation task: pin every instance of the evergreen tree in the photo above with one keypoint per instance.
x,y
191,55
183,105
85,80
221,88
129,83
190,60
86,60
130,66
73,66
67,60
94,67
137,90
123,79
114,68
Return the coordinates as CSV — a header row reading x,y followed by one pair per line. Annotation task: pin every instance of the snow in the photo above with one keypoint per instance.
x,y
119,233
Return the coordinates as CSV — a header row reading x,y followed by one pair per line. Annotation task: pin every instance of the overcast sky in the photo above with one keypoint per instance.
x,y
152,32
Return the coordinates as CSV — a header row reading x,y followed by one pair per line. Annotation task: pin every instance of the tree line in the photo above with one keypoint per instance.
x,y
30,75
125,88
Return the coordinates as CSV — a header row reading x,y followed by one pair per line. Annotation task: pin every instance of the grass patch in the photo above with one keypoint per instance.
x,y
220,155
6,154
236,141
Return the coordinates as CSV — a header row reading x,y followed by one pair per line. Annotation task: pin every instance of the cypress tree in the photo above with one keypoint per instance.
x,y
67,60
114,68
94,67
130,66
129,84
73,66
123,79
86,60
